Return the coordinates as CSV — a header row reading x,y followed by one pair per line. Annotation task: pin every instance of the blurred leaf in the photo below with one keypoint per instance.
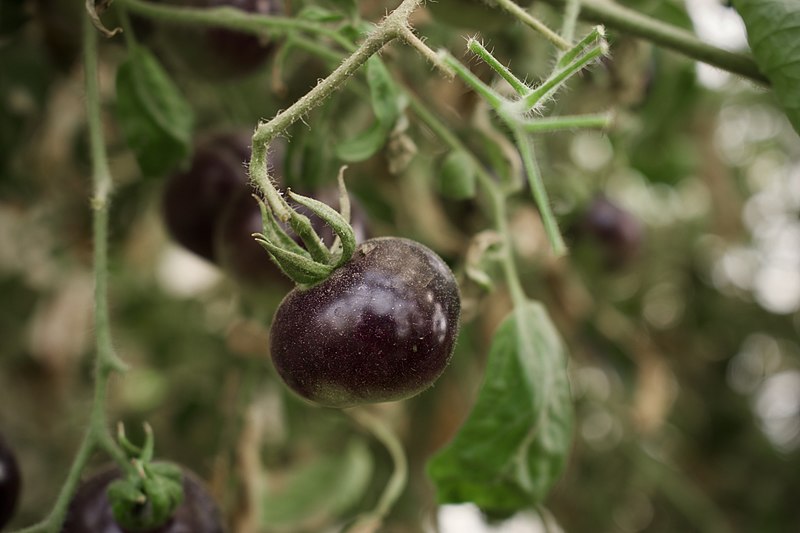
x,y
386,103
346,6
457,176
772,31
154,117
319,14
320,489
514,444
364,145
384,93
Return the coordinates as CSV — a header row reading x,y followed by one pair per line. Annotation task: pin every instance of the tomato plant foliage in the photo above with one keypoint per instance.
x,y
514,444
155,118
772,29
469,206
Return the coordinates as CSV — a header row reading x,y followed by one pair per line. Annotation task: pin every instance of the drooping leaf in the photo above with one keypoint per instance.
x,y
386,104
153,115
364,145
319,490
383,92
773,27
457,176
514,444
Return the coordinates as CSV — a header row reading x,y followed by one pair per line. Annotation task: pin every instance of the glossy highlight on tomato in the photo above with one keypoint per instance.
x,y
10,483
90,512
381,328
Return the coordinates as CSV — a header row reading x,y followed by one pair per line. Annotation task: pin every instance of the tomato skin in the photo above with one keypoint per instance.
x,y
90,512
10,483
381,328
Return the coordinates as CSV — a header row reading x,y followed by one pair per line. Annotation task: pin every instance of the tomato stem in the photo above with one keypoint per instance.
x,y
525,17
97,435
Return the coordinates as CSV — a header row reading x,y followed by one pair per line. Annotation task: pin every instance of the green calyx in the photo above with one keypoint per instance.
x,y
150,493
313,262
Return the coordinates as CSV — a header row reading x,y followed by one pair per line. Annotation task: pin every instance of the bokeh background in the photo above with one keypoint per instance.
x,y
682,317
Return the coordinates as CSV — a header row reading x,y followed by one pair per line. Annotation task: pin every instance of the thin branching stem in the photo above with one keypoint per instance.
x,y
525,146
390,28
533,22
618,17
517,84
97,434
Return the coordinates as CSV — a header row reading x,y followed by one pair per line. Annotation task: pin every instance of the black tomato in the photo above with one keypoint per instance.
x,y
90,512
380,328
9,483
195,199
618,232
246,260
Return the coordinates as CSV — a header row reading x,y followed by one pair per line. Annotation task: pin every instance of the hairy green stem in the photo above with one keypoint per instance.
x,y
622,18
539,192
477,85
567,122
411,38
390,28
479,50
533,22
557,79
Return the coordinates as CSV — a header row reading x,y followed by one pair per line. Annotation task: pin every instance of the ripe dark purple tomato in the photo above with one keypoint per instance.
x,y
246,260
617,230
195,199
380,328
9,483
90,512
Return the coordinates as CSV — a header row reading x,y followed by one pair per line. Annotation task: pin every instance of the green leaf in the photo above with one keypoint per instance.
x,y
387,103
773,27
153,115
319,14
514,444
319,490
384,93
364,145
457,179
